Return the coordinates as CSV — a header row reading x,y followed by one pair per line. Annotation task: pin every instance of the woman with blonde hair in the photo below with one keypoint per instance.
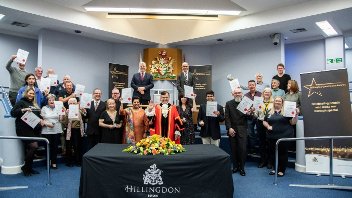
x,y
278,127
27,104
111,123
261,130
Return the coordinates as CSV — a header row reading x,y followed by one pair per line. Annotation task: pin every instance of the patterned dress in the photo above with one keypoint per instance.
x,y
188,132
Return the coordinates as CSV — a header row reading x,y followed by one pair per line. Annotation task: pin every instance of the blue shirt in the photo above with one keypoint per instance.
x,y
38,94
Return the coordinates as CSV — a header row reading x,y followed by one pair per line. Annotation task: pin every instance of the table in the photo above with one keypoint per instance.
x,y
201,171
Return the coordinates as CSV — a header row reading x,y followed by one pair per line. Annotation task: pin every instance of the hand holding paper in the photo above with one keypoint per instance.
x,y
21,56
126,95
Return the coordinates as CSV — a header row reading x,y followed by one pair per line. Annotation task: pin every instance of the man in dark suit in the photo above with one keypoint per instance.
x,y
97,107
185,78
142,83
236,125
210,125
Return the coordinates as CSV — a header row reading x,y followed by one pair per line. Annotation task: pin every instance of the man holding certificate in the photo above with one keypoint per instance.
x,y
209,117
236,125
28,124
185,78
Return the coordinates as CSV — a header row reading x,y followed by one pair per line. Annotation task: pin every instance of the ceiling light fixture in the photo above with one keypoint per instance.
x,y
162,16
1,16
346,46
194,7
327,28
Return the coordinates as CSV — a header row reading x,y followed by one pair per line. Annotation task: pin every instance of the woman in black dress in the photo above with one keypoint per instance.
x,y
185,111
111,123
278,127
27,104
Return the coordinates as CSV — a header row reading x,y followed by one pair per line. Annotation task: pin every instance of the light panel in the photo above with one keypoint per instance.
x,y
326,28
1,16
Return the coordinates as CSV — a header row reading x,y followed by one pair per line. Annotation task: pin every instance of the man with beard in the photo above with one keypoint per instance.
x,y
236,125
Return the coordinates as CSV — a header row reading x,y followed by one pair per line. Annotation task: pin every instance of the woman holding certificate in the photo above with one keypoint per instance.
x,y
185,111
260,113
111,123
279,126
52,127
28,124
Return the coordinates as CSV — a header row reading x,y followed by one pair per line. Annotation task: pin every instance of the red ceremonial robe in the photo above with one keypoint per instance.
x,y
174,123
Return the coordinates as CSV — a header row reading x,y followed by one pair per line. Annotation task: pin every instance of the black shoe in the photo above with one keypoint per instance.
x,y
25,171
34,172
261,165
242,173
235,170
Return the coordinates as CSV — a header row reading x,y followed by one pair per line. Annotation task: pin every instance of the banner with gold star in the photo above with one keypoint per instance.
x,y
118,77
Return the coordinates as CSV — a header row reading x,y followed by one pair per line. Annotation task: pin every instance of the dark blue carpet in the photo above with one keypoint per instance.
x,y
257,184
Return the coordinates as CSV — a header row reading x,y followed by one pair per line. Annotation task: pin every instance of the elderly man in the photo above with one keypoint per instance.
x,y
38,72
275,90
141,83
61,86
185,78
49,72
166,120
17,75
260,85
236,125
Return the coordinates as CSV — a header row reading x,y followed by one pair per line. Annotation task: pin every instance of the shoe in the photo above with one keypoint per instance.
x,y
272,172
261,165
242,173
34,172
26,173
53,166
235,170
280,174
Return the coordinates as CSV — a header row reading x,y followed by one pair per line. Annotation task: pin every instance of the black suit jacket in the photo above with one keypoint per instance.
x,y
93,118
181,81
147,82
236,119
211,126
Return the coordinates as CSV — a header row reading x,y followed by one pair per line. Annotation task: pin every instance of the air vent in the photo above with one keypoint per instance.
x,y
298,30
16,23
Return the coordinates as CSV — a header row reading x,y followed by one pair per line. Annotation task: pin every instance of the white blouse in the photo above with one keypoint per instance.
x,y
51,115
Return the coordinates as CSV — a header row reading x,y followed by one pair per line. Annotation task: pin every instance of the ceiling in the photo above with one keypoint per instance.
x,y
262,18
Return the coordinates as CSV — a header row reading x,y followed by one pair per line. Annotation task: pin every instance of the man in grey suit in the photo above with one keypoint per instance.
x,y
185,78
142,83
236,126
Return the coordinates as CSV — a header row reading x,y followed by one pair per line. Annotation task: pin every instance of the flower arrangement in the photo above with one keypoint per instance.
x,y
154,145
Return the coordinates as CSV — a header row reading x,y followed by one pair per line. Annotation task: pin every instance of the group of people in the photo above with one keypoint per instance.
x,y
111,121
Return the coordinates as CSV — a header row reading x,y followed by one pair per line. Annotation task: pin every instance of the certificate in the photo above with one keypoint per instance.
x,y
211,108
31,119
44,84
79,90
73,112
59,106
289,109
258,103
234,84
86,100
245,104
126,95
53,78
21,56
189,93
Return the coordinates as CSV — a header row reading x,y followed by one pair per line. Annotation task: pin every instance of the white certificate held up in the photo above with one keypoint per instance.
x,y
289,109
59,106
234,84
31,119
21,56
73,112
245,105
258,102
53,78
126,95
211,108
44,84
79,90
86,100
189,93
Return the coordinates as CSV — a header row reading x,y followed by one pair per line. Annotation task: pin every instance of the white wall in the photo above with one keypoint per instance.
x,y
348,58
9,46
305,57
243,60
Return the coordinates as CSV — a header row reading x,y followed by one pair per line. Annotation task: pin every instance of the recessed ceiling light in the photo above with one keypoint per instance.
x,y
1,16
327,28
346,46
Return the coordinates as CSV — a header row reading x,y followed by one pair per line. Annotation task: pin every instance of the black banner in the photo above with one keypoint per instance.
x,y
202,81
326,106
118,77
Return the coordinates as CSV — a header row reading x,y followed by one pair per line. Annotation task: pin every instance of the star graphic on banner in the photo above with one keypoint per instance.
x,y
313,88
114,73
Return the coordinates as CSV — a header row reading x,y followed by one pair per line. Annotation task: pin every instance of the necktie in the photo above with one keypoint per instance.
x,y
96,105
186,78
142,75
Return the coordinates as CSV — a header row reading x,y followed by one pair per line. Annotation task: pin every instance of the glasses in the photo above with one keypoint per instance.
x,y
115,93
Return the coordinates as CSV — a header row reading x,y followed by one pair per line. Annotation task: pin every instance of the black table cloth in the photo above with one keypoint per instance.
x,y
201,171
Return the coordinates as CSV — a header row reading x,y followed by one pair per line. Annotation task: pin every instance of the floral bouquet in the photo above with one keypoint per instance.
x,y
154,145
